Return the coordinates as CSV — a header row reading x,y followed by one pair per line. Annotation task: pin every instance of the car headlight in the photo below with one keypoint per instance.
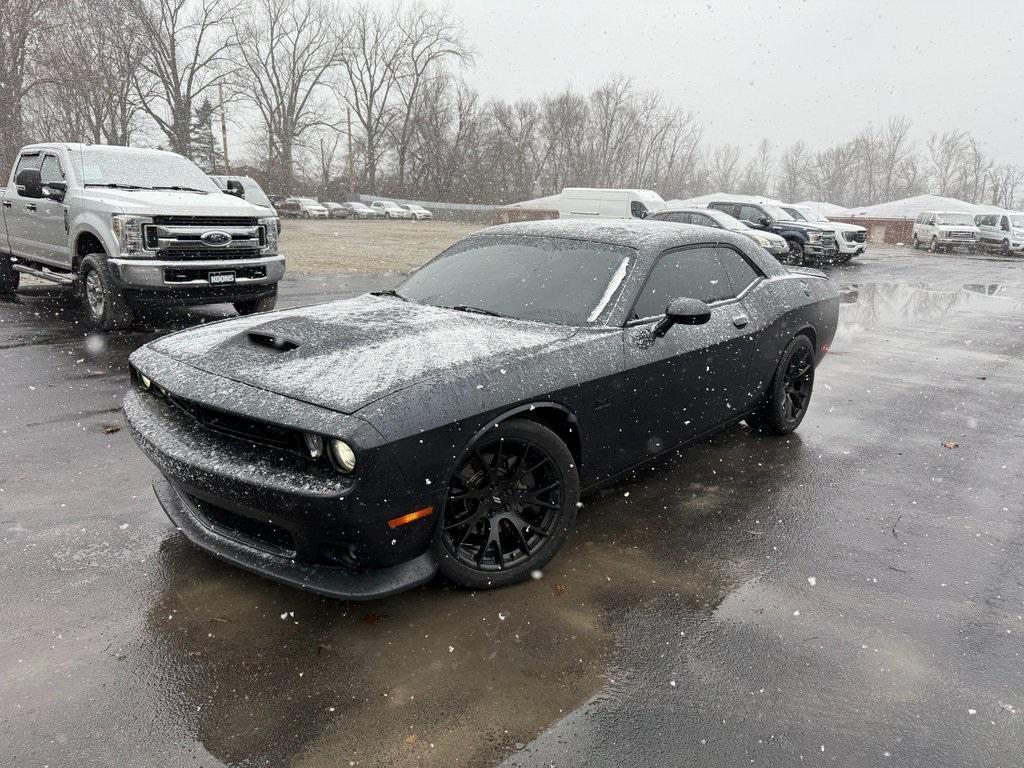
x,y
814,236
342,455
129,232
764,242
269,229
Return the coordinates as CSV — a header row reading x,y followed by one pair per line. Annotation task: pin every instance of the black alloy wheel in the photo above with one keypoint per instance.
x,y
511,505
794,257
789,394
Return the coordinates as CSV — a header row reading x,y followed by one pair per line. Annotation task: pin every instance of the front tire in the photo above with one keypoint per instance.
x,y
794,257
511,505
104,303
9,277
252,306
789,394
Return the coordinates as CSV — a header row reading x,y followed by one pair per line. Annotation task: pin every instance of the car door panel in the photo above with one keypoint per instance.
x,y
52,245
22,223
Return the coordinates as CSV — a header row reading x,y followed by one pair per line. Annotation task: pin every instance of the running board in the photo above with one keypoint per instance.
x,y
53,277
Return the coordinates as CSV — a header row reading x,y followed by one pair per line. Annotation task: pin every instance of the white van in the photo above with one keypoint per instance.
x,y
944,231
584,203
1001,231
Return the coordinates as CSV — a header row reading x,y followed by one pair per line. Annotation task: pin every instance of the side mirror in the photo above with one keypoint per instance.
x,y
684,312
764,221
28,183
235,189
55,190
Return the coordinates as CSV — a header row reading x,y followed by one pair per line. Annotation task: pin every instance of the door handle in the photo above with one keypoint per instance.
x,y
30,206
740,321
7,203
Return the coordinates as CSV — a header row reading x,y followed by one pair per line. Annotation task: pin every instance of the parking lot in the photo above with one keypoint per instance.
x,y
850,595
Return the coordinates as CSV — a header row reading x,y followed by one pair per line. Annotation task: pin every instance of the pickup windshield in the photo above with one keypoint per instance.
x,y
141,168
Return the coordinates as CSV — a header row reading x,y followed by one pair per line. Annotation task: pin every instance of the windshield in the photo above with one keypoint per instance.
x,y
1017,221
550,280
724,219
147,169
956,219
777,213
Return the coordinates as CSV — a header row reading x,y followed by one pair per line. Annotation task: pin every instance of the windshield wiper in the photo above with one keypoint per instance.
x,y
476,310
114,185
390,292
184,189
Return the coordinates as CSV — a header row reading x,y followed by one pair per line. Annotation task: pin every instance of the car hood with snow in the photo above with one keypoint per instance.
x,y
149,202
347,354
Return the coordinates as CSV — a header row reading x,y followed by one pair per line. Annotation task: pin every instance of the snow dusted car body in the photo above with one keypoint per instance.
x,y
357,447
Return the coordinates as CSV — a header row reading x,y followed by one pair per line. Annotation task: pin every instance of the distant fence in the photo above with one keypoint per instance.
x,y
512,215
889,231
468,212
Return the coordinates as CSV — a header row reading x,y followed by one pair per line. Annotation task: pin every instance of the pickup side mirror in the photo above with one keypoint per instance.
x,y
28,183
764,221
55,190
235,189
684,312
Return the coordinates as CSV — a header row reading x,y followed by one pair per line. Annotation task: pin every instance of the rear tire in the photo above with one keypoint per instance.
x,y
916,243
252,306
9,277
511,505
104,303
789,394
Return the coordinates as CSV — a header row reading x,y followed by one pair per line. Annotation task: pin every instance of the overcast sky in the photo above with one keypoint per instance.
x,y
786,70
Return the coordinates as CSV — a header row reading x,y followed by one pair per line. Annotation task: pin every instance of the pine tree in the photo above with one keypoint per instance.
x,y
204,146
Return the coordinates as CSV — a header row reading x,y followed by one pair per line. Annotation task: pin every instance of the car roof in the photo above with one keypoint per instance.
x,y
651,238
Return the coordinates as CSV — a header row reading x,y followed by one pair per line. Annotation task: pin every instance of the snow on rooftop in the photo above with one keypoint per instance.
x,y
910,207
549,203
702,201
825,209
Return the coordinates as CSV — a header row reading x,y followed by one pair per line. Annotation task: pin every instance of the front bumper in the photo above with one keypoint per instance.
x,y
953,242
334,582
852,247
152,274
269,509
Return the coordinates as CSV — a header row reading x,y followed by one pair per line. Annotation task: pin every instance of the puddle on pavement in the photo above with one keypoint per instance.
x,y
442,676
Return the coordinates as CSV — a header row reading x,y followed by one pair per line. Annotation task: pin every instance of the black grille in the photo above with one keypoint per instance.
x,y
237,426
855,237
188,275
205,221
266,536
209,254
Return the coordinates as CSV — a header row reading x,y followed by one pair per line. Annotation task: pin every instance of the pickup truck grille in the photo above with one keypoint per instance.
x,y
204,237
205,221
855,237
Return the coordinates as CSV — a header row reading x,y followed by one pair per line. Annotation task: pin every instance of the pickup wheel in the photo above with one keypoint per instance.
x,y
106,306
9,278
252,306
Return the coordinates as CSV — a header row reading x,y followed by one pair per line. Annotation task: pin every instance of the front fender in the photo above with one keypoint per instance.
x,y
97,225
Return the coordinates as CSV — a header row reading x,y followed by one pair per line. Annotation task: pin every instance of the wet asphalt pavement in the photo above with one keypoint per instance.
x,y
851,595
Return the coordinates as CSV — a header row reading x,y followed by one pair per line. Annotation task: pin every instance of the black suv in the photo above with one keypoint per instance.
x,y
808,243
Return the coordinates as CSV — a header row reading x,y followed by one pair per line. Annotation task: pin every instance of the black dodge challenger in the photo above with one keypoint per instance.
x,y
358,447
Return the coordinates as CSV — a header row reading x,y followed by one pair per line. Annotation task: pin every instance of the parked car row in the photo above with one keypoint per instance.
x,y
309,208
794,235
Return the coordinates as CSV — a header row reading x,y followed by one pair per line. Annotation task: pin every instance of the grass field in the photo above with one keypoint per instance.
x,y
370,247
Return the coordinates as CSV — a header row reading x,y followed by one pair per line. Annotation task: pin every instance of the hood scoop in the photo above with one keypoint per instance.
x,y
272,341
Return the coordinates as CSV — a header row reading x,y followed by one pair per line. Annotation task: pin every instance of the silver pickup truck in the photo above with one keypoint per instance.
x,y
128,226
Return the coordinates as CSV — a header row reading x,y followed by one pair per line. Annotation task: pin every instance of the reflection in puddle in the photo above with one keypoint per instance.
x,y
872,305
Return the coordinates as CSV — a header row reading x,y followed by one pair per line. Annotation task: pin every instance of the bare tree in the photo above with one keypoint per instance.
x,y
430,40
895,149
373,50
793,172
757,175
186,57
285,53
23,26
943,155
723,166
1004,181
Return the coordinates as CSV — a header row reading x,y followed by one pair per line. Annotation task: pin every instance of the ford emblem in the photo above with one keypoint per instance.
x,y
216,238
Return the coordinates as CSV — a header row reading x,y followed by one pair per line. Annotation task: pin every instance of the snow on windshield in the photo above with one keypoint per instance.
x,y
146,169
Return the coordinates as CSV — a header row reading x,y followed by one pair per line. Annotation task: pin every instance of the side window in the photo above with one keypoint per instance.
x,y
741,272
50,170
750,213
1004,224
676,217
638,210
28,163
704,221
694,273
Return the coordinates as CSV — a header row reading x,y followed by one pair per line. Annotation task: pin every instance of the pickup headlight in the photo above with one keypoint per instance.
x,y
814,236
128,231
269,229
